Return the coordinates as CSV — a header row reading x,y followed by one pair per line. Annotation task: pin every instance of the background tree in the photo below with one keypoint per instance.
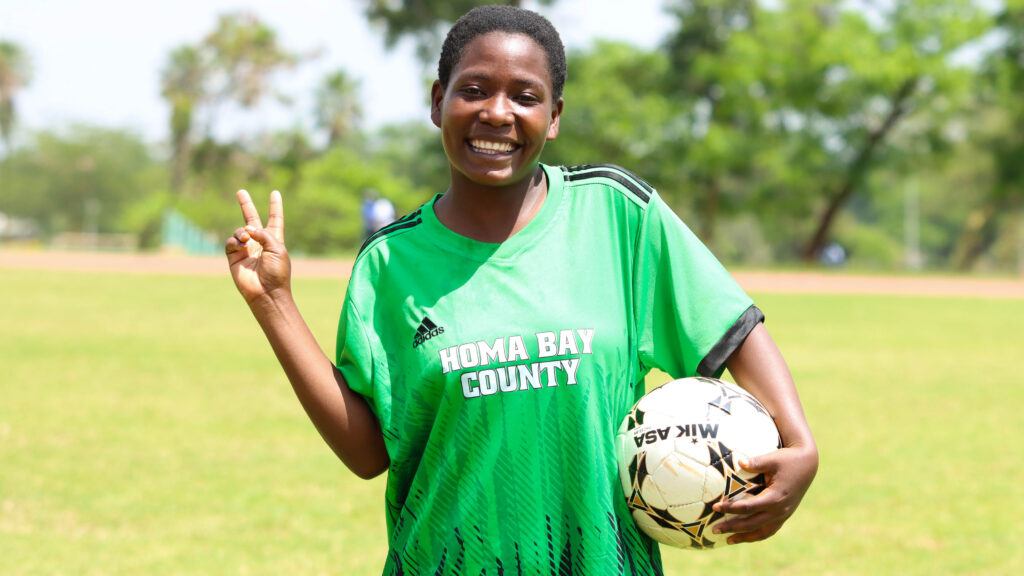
x,y
413,150
719,87
328,202
15,74
243,53
800,101
903,70
82,179
617,112
232,66
338,111
183,85
424,21
770,127
998,218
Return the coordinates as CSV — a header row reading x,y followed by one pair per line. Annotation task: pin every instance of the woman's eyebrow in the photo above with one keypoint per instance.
x,y
485,77
475,76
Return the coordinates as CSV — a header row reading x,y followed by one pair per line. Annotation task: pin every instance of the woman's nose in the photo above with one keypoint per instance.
x,y
497,111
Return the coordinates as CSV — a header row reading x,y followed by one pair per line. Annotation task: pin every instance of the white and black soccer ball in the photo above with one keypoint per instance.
x,y
677,453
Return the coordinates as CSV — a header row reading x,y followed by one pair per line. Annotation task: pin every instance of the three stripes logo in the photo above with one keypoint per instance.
x,y
426,331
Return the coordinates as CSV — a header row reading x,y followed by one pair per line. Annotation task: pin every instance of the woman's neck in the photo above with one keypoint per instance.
x,y
491,214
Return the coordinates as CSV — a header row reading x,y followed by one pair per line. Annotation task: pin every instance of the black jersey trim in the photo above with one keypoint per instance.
x,y
631,181
585,167
407,221
713,364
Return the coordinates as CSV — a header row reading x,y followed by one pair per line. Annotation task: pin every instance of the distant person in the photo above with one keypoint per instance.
x,y
382,213
491,341
833,255
368,211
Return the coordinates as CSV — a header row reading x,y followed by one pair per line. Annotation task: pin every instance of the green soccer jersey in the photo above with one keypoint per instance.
x,y
501,372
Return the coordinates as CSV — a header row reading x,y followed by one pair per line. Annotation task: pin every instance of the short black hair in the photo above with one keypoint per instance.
x,y
484,19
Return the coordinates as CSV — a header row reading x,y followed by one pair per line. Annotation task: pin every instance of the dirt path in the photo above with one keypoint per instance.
x,y
752,281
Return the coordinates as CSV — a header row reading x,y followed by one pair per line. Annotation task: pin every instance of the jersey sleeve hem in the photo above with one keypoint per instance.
x,y
713,363
359,372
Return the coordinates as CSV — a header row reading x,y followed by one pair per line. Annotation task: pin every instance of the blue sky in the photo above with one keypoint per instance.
x,y
99,61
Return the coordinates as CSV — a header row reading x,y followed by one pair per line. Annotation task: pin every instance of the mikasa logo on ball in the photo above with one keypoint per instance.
x,y
643,435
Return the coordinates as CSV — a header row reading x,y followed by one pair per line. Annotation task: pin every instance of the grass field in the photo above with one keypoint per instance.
x,y
145,428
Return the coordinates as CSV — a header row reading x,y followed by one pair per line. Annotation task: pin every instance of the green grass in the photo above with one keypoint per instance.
x,y
145,428
916,404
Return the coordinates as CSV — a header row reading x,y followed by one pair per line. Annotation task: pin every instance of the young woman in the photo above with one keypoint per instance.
x,y
491,342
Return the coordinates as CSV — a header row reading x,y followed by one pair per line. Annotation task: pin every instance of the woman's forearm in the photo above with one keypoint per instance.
x,y
342,417
758,366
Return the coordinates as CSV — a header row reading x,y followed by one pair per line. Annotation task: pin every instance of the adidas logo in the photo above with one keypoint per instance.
x,y
426,331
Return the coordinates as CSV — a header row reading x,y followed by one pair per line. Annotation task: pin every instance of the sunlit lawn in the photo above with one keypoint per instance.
x,y
145,428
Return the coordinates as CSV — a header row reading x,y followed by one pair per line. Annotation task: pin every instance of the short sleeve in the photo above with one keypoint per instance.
x,y
354,355
691,314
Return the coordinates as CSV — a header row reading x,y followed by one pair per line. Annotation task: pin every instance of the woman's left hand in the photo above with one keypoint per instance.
x,y
788,473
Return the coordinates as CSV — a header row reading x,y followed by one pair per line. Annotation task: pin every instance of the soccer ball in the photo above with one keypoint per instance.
x,y
677,454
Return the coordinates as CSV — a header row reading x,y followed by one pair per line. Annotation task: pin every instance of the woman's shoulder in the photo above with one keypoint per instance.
x,y
610,177
381,245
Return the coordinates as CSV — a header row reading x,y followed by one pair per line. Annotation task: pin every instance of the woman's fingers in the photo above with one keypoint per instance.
x,y
767,464
249,212
762,532
275,222
237,241
788,473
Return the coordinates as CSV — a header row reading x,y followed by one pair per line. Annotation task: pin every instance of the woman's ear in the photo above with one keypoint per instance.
x,y
436,97
556,114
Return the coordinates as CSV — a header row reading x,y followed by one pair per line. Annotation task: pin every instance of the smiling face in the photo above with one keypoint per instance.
x,y
497,111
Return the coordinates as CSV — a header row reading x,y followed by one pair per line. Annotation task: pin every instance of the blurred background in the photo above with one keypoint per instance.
x,y
873,134
146,428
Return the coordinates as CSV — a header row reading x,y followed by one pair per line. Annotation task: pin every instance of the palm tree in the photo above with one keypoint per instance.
x,y
15,74
183,86
233,64
337,106
244,53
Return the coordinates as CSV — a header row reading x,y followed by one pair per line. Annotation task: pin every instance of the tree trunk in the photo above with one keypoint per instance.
x,y
860,166
971,243
181,143
180,158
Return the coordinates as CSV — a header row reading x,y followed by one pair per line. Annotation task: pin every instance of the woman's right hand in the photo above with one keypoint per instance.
x,y
262,273
256,255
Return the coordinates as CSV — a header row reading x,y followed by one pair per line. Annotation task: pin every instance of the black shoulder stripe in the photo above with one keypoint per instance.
x,y
615,167
407,221
632,182
629,184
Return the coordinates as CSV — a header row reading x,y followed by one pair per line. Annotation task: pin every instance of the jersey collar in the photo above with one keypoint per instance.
x,y
509,249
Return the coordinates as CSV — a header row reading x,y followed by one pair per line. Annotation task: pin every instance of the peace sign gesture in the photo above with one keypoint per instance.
x,y
256,255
